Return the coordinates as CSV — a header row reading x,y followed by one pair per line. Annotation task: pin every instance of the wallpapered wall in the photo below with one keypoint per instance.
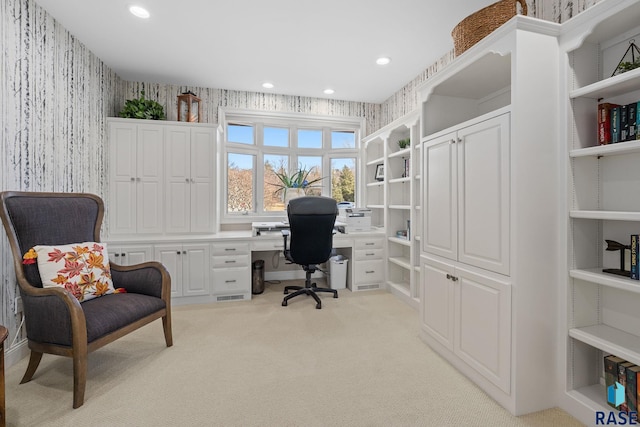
x,y
55,96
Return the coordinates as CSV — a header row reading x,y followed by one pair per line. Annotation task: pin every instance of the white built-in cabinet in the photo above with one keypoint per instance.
x,y
189,204
599,311
136,168
162,177
188,266
489,186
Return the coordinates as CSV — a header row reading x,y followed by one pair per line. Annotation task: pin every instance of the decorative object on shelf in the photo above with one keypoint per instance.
x,y
380,172
142,108
406,170
295,184
480,24
612,245
189,107
404,143
629,61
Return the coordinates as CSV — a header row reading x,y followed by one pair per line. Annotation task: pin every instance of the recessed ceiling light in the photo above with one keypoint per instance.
x,y
267,85
140,12
383,60
329,91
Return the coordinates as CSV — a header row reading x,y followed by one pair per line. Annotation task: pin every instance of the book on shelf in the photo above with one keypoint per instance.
x,y
604,122
631,390
635,242
408,229
622,379
615,124
611,374
632,121
624,122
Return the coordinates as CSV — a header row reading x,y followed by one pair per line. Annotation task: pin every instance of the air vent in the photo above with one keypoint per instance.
x,y
229,297
367,287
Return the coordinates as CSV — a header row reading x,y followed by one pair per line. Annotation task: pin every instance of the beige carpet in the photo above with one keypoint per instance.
x,y
357,362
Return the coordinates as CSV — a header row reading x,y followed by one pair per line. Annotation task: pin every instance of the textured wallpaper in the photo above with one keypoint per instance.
x,y
55,96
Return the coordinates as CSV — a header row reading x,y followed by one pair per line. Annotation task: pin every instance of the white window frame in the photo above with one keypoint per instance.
x,y
292,121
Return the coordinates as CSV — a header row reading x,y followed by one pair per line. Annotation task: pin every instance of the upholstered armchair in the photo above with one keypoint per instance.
x,y
61,320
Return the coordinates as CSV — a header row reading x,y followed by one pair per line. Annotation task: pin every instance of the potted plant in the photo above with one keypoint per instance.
x,y
404,143
295,183
142,108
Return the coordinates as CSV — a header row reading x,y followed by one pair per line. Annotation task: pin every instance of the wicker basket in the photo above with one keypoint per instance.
x,y
477,26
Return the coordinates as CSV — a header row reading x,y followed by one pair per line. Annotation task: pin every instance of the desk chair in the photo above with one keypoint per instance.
x,y
311,221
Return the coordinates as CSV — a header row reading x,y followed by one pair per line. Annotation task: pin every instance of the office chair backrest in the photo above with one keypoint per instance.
x,y
311,221
32,218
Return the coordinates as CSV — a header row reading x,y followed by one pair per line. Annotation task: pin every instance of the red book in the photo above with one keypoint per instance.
x,y
604,122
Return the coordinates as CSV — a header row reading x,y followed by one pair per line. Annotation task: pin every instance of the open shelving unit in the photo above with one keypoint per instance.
x,y
599,309
395,200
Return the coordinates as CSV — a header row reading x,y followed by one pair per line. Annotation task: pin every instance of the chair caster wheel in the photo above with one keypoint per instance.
x,y
318,306
284,303
286,292
335,295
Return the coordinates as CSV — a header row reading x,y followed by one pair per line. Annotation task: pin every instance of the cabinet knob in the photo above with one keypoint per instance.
x,y
123,254
117,255
229,249
133,179
229,281
230,262
178,252
184,252
186,180
138,179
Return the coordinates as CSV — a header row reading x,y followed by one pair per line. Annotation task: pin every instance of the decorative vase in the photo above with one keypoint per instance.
x,y
292,193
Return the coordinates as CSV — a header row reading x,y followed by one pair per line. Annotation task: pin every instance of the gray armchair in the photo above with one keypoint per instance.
x,y
56,322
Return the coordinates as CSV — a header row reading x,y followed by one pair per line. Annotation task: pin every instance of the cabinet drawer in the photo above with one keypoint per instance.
x,y
230,261
366,254
269,245
368,271
230,248
230,280
368,244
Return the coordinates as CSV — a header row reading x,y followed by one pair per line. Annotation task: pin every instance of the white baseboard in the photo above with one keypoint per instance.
x,y
16,353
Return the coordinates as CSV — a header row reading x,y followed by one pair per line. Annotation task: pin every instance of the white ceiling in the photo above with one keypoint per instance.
x,y
301,46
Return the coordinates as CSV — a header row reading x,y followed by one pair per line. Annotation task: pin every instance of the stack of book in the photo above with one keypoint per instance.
x,y
618,123
621,380
635,247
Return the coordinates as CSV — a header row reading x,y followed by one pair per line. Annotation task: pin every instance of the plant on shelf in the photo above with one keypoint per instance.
x,y
404,143
142,108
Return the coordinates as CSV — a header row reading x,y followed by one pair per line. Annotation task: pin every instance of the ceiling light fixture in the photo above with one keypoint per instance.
x,y
140,12
267,85
383,60
329,91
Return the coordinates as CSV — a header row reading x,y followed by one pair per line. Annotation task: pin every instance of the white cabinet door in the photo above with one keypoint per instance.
x,y
466,195
437,306
130,255
483,194
189,173
439,199
483,325
171,257
123,165
195,271
202,173
149,179
178,179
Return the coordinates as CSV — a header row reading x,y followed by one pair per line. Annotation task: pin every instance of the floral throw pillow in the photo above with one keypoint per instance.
x,y
81,268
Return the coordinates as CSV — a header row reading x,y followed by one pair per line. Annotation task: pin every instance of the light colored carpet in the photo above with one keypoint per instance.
x,y
357,362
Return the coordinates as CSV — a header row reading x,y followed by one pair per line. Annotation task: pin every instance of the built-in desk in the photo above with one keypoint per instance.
x,y
217,267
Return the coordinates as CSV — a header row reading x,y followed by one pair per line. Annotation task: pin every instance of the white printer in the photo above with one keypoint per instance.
x,y
355,219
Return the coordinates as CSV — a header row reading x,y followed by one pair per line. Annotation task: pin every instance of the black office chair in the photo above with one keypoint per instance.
x,y
311,221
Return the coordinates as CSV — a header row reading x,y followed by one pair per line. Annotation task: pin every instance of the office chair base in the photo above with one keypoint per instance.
x,y
299,290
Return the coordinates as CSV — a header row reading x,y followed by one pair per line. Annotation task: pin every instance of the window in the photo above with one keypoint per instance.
x,y
258,146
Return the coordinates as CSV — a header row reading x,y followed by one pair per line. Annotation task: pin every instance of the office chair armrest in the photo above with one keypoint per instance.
x,y
285,236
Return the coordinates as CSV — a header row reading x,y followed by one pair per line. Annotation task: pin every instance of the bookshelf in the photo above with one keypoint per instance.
x,y
396,201
599,313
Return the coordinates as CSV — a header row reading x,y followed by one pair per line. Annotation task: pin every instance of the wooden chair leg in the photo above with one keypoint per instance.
x,y
34,361
79,379
166,325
